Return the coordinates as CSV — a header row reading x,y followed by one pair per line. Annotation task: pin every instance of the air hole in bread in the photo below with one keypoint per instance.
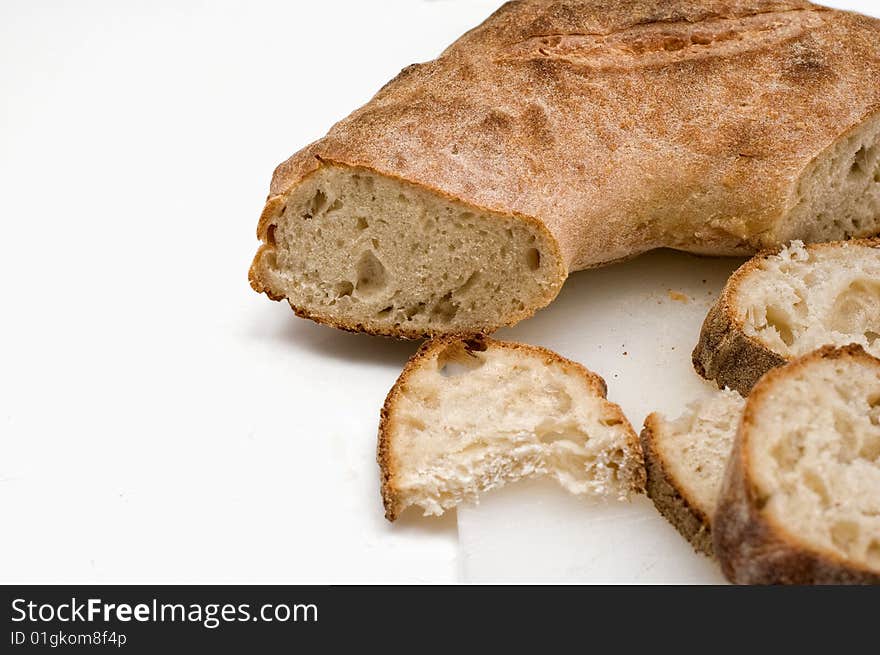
x,y
561,397
361,223
533,259
445,309
859,163
415,423
788,450
815,483
316,204
777,319
458,359
857,304
344,288
270,234
551,431
472,280
414,310
371,274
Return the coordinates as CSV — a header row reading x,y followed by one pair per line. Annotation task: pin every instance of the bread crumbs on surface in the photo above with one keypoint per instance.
x,y
678,296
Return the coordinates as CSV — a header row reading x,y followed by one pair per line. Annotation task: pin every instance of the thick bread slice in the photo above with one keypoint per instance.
x,y
800,502
469,415
783,304
561,135
685,461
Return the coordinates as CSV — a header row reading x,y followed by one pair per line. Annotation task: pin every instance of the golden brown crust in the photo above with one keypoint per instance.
x,y
670,499
724,352
751,547
478,343
618,127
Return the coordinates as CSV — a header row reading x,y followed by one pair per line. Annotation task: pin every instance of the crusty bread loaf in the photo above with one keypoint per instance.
x,y
469,415
685,461
783,304
563,134
800,502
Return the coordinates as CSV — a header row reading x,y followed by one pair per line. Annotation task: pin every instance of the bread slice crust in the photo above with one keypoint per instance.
x,y
478,343
671,498
750,545
725,353
588,123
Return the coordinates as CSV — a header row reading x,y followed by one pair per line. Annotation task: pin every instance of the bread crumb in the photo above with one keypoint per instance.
x,y
677,296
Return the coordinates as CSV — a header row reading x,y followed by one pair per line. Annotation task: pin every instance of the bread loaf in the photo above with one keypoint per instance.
x,y
784,304
800,502
470,415
561,135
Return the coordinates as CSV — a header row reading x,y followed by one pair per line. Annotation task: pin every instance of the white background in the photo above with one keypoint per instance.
x,y
160,422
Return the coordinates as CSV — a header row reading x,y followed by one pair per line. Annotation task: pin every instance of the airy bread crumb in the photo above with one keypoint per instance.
x,y
470,415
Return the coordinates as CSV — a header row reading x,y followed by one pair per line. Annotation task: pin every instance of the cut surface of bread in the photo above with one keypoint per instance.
x,y
838,196
405,261
800,502
781,305
685,460
563,135
470,415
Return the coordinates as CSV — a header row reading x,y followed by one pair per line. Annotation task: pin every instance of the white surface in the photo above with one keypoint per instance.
x,y
160,422
533,533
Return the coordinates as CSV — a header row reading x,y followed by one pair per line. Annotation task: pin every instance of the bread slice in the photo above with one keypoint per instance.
x,y
563,135
800,502
784,304
469,415
685,460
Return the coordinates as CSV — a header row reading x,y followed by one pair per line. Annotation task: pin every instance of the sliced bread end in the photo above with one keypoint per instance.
x,y
685,460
